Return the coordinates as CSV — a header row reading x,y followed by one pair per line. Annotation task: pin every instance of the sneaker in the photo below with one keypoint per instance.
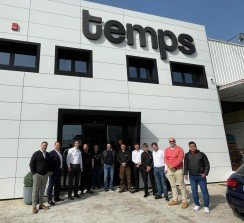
x,y
173,202
43,207
106,189
158,197
184,205
206,210
34,211
166,198
111,189
196,208
51,203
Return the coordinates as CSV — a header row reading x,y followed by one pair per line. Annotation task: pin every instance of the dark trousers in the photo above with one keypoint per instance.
x,y
86,179
137,171
145,175
65,172
54,183
125,176
96,177
195,181
74,174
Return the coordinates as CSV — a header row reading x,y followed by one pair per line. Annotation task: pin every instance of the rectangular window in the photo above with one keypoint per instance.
x,y
140,69
73,62
188,75
20,56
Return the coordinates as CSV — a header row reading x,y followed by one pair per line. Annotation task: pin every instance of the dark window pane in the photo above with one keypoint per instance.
x,y
81,66
71,133
23,60
64,65
188,78
143,73
133,72
4,58
177,77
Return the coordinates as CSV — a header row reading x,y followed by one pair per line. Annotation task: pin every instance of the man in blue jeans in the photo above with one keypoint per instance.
x,y
159,172
197,165
108,159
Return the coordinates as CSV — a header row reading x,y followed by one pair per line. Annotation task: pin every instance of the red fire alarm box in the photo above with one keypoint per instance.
x,y
15,26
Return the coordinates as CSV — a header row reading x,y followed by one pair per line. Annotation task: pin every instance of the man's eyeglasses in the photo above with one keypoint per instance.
x,y
171,141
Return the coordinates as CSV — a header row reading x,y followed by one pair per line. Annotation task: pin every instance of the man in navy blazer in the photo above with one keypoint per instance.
x,y
55,178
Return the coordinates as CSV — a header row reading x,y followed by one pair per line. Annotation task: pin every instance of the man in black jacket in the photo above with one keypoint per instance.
x,y
124,159
55,178
108,160
40,167
197,165
147,169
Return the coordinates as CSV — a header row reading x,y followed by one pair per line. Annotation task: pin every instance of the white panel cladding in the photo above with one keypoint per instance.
x,y
5,170
166,110
228,63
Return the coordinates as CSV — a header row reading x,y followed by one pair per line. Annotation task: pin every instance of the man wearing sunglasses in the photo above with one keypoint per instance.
x,y
173,157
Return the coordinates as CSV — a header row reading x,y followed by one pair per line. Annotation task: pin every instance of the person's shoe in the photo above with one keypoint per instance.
x,y
106,189
77,196
122,191
196,208
90,192
112,189
184,205
51,203
166,198
206,210
173,202
135,191
70,198
146,195
34,210
43,207
58,199
154,193
158,197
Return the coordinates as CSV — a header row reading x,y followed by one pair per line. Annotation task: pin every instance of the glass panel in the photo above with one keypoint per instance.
x,y
81,66
23,60
177,77
188,78
133,72
143,73
71,133
114,133
64,65
4,58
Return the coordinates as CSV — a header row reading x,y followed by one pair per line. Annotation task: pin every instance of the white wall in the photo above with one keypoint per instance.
x,y
29,102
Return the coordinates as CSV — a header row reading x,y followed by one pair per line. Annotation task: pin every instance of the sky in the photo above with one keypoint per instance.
x,y
223,19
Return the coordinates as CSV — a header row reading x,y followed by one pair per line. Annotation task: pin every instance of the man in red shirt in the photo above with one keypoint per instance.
x,y
173,157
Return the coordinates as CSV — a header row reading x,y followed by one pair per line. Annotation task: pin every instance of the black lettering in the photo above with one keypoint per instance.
x,y
85,26
142,35
187,46
163,47
119,30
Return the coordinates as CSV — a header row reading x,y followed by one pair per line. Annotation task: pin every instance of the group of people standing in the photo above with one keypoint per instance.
x,y
84,168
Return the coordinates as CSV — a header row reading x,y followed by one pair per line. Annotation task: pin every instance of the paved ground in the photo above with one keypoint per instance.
x,y
110,207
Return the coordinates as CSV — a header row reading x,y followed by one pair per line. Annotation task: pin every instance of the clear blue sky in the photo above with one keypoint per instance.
x,y
223,19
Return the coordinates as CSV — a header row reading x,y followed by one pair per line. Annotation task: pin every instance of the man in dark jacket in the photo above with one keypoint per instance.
x,y
197,165
55,178
108,160
124,159
40,167
147,169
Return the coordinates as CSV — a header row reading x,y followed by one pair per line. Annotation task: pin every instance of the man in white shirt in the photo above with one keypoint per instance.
x,y
136,159
159,172
74,163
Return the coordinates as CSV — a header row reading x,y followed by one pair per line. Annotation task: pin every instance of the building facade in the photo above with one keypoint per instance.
x,y
72,69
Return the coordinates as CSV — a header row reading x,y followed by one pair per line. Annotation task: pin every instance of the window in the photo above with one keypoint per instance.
x,y
188,75
141,69
20,56
73,62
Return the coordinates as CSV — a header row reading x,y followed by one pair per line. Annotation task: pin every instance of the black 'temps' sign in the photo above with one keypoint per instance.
x,y
158,38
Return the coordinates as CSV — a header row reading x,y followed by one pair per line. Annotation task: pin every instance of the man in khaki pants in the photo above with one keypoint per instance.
x,y
40,166
173,157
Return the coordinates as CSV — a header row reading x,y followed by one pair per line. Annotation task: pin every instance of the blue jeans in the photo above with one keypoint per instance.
x,y
108,173
160,181
195,181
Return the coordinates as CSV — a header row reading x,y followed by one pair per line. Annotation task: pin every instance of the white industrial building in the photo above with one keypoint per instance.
x,y
75,69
